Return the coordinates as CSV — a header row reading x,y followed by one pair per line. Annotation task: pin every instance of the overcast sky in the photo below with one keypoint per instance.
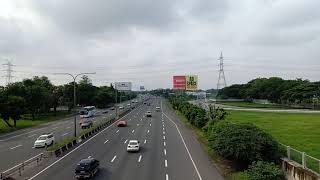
x,y
147,42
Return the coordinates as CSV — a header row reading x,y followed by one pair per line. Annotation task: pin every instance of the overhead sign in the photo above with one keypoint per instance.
x,y
179,82
123,86
191,82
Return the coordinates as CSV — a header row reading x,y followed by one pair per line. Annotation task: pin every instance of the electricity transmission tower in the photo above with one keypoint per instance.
x,y
222,79
9,71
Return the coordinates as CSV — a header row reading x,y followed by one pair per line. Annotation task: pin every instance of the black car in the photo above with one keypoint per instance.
x,y
87,168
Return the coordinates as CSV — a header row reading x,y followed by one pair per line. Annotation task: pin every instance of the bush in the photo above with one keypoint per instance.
x,y
242,142
264,171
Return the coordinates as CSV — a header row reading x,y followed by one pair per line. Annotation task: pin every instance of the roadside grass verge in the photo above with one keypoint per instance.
x,y
26,121
300,131
253,105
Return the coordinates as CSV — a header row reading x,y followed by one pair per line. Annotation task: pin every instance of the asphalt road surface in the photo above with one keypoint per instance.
x,y
18,146
169,150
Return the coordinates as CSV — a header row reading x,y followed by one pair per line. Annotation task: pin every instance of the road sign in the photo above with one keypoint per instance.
x,y
179,82
123,86
191,82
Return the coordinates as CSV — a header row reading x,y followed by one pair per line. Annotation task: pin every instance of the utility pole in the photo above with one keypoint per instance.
x,y
9,72
74,77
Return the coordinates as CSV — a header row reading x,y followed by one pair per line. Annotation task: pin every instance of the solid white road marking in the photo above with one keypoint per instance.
x,y
64,134
167,177
106,141
145,141
165,152
125,141
194,165
117,131
113,158
164,143
165,163
15,147
32,135
55,162
140,158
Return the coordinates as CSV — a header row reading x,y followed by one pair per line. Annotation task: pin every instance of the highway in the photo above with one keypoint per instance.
x,y
169,150
18,146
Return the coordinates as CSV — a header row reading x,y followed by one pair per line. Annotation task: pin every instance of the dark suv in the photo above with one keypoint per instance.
x,y
87,168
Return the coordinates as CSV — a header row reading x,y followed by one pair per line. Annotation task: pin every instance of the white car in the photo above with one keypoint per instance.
x,y
133,145
44,140
128,105
157,108
148,114
120,107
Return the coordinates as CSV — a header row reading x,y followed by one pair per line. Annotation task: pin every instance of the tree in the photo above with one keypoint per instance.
x,y
264,171
16,106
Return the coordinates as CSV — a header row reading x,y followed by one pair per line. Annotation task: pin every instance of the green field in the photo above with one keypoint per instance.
x,y
26,121
251,105
300,131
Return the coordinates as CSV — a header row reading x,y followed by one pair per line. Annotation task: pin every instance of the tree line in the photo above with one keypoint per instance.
x,y
38,95
276,90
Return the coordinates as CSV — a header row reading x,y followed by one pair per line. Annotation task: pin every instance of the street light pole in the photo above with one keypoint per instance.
x,y
74,77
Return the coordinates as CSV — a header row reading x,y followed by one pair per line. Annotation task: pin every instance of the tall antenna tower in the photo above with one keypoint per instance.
x,y
9,72
222,79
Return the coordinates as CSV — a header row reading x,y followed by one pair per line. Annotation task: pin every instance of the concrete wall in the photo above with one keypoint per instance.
x,y
295,171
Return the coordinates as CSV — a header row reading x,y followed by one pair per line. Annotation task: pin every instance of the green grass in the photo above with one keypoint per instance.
x,y
238,176
300,131
251,105
26,121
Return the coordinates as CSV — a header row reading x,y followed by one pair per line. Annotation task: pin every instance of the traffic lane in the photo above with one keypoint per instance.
x,y
122,164
153,166
178,163
203,162
93,146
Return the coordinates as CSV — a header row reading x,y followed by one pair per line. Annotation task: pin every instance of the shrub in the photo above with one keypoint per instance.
x,y
264,171
242,142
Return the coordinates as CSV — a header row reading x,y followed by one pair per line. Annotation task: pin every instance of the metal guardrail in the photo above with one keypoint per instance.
x,y
307,162
20,167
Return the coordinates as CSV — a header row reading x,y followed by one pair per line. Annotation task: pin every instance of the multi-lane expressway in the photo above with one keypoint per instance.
x,y
18,146
169,150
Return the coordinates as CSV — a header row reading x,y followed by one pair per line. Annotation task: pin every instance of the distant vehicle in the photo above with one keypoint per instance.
x,y
148,114
122,123
105,112
44,140
86,124
133,145
129,105
157,108
87,168
133,101
144,103
88,111
120,107
112,108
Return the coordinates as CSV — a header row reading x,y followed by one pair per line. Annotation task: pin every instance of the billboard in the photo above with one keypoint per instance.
x,y
191,82
179,82
123,86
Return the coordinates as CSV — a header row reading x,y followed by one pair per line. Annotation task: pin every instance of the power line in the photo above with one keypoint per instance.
x,y
222,79
9,71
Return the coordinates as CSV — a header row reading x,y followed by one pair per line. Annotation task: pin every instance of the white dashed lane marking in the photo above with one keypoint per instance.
x,y
165,163
165,152
125,141
106,141
145,141
114,158
164,137
117,131
16,147
139,160
164,143
64,134
132,131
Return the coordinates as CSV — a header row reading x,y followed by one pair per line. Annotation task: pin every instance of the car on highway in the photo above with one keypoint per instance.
x,y
133,146
122,123
86,124
144,103
87,168
129,105
87,112
44,140
112,108
120,107
149,114
157,108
